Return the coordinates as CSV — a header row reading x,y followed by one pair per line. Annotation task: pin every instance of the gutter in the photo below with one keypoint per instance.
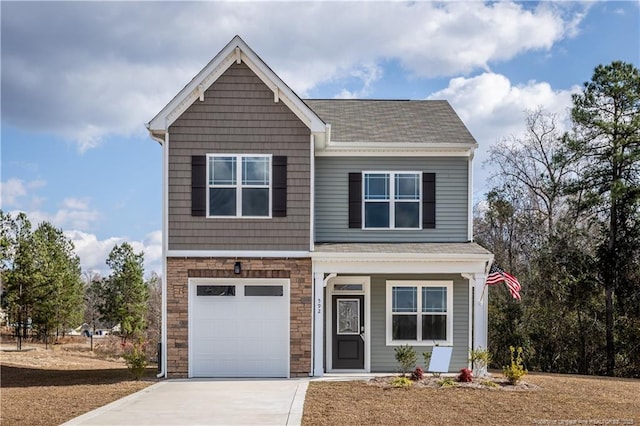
x,y
155,137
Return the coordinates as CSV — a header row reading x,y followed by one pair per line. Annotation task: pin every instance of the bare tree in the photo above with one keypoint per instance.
x,y
535,162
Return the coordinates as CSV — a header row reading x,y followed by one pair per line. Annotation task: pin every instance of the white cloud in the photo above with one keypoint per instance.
x,y
367,74
14,190
85,71
493,109
75,204
93,252
73,213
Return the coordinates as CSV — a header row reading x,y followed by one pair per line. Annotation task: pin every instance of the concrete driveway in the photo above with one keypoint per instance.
x,y
206,402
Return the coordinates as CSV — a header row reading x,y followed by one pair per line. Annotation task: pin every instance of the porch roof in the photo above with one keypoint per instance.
x,y
404,248
465,258
400,258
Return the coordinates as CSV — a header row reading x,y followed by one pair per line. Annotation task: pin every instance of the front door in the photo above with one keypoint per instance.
x,y
348,332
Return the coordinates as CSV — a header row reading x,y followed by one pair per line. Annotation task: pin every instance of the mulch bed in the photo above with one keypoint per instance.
x,y
440,382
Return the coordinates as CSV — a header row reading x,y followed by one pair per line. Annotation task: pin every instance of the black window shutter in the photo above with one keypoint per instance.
x,y
428,200
198,185
279,189
355,200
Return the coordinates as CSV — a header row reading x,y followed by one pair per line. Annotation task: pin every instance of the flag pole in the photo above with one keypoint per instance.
x,y
484,287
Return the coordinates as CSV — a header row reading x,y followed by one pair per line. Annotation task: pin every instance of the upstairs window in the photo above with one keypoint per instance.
x,y
392,200
239,185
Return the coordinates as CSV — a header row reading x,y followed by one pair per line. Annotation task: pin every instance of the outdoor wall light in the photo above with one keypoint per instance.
x,y
237,268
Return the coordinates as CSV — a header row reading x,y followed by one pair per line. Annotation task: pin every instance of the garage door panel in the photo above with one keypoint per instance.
x,y
240,336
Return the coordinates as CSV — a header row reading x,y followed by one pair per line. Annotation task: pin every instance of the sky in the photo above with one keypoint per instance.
x,y
79,80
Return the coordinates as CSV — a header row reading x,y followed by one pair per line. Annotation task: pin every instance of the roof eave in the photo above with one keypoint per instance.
x,y
336,148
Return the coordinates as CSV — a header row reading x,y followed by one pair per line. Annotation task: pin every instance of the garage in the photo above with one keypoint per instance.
x,y
238,328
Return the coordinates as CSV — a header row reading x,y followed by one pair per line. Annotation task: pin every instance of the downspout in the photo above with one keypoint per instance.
x,y
311,248
163,334
165,219
470,198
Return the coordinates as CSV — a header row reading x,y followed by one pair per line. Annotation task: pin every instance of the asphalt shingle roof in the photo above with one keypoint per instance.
x,y
359,120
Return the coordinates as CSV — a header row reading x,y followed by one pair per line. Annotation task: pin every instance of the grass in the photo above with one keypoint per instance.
x,y
49,387
559,399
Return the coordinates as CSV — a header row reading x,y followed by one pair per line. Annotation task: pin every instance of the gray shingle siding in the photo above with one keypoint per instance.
x,y
331,201
383,356
238,115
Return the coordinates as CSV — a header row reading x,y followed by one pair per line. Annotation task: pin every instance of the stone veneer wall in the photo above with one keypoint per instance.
x,y
179,270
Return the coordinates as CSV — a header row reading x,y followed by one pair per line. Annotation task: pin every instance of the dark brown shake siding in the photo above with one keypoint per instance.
x,y
239,116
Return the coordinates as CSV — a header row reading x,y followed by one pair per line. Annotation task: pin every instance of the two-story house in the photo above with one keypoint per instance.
x,y
302,237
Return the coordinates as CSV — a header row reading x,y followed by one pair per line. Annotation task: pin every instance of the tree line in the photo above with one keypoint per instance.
x,y
45,296
563,215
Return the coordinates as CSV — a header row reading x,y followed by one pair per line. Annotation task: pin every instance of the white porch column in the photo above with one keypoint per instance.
x,y
318,324
480,314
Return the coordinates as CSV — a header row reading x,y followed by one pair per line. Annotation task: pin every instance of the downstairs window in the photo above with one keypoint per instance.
x,y
419,312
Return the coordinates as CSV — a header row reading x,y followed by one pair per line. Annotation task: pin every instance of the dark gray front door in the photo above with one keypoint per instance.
x,y
348,332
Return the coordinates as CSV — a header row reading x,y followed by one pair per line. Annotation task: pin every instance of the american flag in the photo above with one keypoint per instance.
x,y
498,275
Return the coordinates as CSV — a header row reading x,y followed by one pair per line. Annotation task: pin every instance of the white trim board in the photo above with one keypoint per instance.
x,y
238,253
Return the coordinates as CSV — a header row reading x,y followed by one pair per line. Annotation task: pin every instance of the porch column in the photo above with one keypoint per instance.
x,y
318,324
480,314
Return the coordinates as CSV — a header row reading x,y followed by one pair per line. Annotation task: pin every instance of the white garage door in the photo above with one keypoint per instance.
x,y
239,328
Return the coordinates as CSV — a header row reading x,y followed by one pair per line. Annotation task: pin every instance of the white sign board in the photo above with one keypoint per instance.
x,y
440,358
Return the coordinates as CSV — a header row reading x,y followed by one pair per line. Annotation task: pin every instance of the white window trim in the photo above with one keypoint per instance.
x,y
239,186
391,200
419,285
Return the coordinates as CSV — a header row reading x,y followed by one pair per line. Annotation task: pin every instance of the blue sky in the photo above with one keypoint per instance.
x,y
80,80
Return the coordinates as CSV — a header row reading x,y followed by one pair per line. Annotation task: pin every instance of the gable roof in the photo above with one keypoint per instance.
x,y
392,121
235,51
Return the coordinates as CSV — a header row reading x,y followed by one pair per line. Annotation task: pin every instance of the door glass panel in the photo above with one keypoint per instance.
x,y
348,316
263,290
216,290
347,287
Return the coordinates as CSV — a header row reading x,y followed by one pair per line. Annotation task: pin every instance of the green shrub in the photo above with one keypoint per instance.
x,y
514,372
406,357
447,382
427,359
489,384
401,382
136,359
